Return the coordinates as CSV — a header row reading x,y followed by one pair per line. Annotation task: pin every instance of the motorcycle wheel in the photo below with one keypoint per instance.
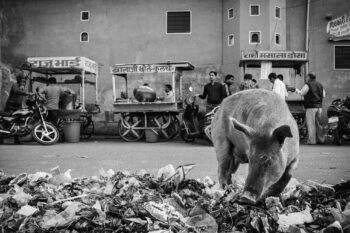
x,y
43,137
337,138
184,135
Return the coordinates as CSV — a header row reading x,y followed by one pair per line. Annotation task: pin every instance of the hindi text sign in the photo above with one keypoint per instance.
x,y
275,55
142,68
340,26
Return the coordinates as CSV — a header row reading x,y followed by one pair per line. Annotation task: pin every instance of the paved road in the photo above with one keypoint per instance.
x,y
319,163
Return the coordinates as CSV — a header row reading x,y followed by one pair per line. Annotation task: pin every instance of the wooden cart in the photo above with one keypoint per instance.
x,y
159,117
85,68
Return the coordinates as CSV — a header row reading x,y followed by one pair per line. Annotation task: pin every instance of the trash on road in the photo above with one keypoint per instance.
x,y
169,202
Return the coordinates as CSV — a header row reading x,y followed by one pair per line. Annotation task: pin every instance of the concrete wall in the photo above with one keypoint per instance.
x,y
336,82
121,31
231,54
295,24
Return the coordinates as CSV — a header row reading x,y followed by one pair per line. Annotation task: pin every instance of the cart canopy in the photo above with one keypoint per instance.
x,y
168,67
62,65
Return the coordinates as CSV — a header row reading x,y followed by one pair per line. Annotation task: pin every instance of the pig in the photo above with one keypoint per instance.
x,y
256,127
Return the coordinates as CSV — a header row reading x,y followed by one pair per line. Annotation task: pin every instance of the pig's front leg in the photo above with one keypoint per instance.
x,y
227,163
279,186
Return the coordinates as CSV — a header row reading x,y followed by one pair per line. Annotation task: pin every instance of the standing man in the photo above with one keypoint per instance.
x,y
15,100
229,80
313,93
248,83
278,86
52,94
213,92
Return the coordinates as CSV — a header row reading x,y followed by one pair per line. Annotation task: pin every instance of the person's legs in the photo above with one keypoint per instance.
x,y
310,122
319,127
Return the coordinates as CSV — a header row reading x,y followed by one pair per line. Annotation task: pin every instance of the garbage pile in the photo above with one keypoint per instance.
x,y
168,202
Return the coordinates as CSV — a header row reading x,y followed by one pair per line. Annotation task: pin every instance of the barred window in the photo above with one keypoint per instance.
x,y
84,16
342,57
254,37
254,10
277,12
179,22
230,13
84,37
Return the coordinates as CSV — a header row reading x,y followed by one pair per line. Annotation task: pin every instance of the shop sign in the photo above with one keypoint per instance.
x,y
275,55
82,63
340,26
142,68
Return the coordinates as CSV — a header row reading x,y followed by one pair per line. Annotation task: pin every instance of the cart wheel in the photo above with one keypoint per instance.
x,y
168,126
128,128
87,127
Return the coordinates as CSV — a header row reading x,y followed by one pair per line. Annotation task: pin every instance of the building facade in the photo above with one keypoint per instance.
x,y
210,34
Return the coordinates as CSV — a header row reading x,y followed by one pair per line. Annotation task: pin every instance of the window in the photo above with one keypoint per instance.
x,y
84,37
342,57
277,39
277,12
231,40
84,16
178,22
230,13
254,37
254,10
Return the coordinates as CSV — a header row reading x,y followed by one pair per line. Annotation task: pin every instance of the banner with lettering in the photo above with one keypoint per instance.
x,y
274,55
339,27
82,63
142,68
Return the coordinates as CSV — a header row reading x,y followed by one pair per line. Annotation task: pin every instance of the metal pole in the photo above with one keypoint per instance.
x,y
96,88
83,87
113,85
173,84
307,37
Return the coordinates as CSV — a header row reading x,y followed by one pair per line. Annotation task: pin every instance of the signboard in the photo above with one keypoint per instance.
x,y
340,26
142,68
82,63
275,55
266,67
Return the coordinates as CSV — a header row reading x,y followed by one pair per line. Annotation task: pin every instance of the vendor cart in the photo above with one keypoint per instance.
x,y
289,63
79,71
159,117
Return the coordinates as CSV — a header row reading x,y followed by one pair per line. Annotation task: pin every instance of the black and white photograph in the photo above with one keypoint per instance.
x,y
175,116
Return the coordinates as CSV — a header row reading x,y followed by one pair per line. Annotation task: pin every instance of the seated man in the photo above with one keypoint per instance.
x,y
169,94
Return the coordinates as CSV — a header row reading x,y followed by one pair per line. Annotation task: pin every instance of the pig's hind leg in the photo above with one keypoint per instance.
x,y
279,186
227,163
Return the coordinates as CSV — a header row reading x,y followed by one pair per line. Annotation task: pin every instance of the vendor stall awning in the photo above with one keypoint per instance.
x,y
62,65
151,67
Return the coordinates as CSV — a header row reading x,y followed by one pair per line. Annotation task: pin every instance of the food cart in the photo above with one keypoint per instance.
x,y
158,117
87,74
292,65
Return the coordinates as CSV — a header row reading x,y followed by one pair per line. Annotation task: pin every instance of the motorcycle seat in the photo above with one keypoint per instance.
x,y
5,114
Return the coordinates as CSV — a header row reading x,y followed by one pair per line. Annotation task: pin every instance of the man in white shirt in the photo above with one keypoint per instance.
x,y
278,86
169,94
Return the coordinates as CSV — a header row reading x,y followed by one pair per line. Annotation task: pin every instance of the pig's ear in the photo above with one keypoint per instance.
x,y
247,130
281,133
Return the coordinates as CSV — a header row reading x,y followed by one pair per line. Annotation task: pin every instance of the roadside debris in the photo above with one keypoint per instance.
x,y
140,202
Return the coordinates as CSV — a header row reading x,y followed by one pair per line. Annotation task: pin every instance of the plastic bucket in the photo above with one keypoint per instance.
x,y
151,135
71,131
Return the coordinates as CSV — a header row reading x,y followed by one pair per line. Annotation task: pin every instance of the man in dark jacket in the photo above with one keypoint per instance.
x,y
16,96
229,80
213,92
313,93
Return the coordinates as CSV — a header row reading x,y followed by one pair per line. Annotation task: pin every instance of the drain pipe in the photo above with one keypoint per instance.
x,y
307,37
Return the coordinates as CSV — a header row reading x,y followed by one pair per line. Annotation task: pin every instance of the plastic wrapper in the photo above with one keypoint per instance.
x,y
168,202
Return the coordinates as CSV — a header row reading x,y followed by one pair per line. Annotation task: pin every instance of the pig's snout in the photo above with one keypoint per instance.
x,y
248,198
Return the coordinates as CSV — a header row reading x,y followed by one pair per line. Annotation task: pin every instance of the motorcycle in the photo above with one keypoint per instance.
x,y
28,121
338,114
195,124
